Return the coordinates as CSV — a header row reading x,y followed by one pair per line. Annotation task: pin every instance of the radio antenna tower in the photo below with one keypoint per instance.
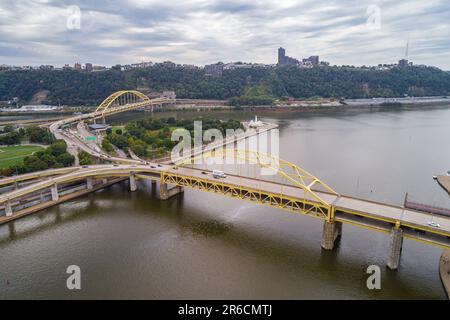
x,y
407,49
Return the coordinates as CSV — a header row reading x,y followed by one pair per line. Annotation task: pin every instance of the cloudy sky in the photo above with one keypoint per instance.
x,y
107,32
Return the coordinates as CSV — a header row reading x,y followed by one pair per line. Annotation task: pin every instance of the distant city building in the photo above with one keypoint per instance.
x,y
403,63
169,95
33,108
77,66
215,70
284,60
190,66
98,127
89,67
281,55
310,62
46,67
306,64
243,65
136,65
98,68
314,60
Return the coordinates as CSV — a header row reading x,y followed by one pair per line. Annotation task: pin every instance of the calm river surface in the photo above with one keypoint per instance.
x,y
131,245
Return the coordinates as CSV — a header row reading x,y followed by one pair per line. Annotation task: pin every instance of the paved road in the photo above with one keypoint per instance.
x,y
372,210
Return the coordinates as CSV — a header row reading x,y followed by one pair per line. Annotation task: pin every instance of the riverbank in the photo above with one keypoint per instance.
x,y
444,271
326,105
299,105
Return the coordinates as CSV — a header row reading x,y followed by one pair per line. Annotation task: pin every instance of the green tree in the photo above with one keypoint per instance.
x,y
66,159
106,145
84,158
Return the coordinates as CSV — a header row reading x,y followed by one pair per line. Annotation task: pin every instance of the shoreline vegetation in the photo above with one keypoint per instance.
x,y
307,105
151,138
258,85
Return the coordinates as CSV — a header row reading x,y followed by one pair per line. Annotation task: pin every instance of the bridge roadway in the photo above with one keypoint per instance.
x,y
386,218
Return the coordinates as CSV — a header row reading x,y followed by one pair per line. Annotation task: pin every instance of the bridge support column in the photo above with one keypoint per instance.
x,y
8,209
166,193
133,185
89,183
331,232
395,248
54,190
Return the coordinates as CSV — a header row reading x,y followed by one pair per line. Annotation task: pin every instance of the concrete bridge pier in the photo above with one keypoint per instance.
x,y
133,185
89,183
166,193
331,232
54,191
8,209
395,248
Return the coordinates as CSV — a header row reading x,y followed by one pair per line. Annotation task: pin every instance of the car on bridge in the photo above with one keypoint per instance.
x,y
218,174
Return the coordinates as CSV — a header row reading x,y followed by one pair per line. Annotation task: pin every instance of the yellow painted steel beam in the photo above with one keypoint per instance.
x,y
115,97
277,200
291,172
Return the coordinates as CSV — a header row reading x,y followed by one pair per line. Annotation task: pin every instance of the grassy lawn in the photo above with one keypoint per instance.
x,y
14,155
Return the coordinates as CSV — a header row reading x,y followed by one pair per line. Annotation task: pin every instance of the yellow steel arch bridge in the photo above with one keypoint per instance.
x,y
125,100
290,173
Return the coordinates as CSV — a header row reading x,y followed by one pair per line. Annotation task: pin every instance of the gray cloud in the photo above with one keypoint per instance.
x,y
205,31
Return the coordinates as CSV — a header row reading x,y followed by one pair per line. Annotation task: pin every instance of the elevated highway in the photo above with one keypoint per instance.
x,y
333,209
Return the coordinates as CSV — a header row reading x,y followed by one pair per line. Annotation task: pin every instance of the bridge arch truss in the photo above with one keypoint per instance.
x,y
119,100
291,174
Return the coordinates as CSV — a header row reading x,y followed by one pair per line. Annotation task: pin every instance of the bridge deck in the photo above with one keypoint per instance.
x,y
350,205
374,213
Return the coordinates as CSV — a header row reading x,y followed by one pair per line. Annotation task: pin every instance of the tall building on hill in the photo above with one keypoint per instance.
x,y
281,55
214,70
403,63
284,60
314,60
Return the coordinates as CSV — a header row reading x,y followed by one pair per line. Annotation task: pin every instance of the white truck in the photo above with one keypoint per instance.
x,y
218,174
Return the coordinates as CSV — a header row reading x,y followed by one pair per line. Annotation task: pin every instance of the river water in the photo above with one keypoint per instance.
x,y
198,245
